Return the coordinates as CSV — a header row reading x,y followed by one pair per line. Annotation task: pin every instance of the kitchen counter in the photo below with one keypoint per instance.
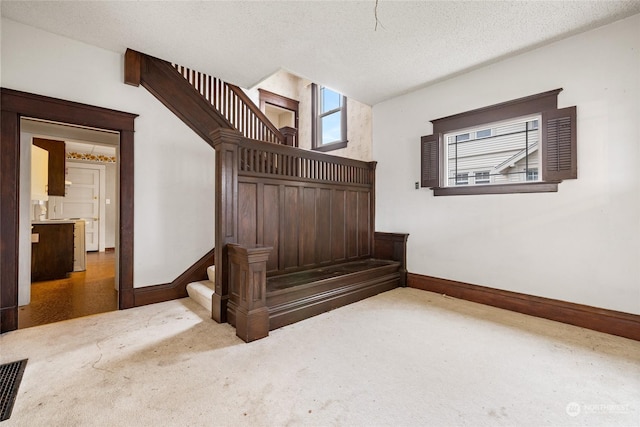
x,y
51,250
54,221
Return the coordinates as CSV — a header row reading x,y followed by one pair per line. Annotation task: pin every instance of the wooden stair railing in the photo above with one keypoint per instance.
x,y
202,102
169,87
234,105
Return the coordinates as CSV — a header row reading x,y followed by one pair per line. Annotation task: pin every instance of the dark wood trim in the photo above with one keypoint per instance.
x,y
311,299
330,147
267,97
544,103
59,110
598,319
126,163
164,82
247,308
132,64
177,288
466,190
15,104
505,110
9,218
271,98
392,246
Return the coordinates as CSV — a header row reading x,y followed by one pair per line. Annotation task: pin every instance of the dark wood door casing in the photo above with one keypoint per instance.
x,y
15,104
271,98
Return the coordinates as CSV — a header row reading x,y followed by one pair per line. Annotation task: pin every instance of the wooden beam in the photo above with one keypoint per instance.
x,y
132,63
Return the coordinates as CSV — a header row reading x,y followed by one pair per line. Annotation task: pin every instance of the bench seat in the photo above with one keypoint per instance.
x,y
296,296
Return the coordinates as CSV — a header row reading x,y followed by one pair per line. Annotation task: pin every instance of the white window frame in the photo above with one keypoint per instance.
x,y
318,114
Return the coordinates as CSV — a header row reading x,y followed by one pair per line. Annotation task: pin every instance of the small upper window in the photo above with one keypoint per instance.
x,y
329,109
462,137
484,133
521,146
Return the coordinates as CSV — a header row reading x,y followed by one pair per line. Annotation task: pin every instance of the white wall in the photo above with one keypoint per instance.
x,y
174,168
581,244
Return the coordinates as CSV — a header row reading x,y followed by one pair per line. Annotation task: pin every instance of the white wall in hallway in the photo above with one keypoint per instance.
x,y
581,244
174,168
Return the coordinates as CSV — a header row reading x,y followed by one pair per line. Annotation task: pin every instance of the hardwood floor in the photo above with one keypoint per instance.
x,y
81,294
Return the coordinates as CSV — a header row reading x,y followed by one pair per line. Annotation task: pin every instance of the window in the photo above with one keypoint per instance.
x,y
462,137
462,179
485,133
520,146
508,150
329,109
482,177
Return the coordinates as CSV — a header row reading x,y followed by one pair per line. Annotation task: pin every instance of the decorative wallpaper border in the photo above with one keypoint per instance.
x,y
90,157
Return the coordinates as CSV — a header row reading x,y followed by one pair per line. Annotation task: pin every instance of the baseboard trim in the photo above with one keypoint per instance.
x,y
176,289
597,319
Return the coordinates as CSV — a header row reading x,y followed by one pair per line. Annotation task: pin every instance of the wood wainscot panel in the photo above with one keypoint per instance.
x,y
308,227
338,241
323,225
271,223
351,222
247,214
290,231
364,227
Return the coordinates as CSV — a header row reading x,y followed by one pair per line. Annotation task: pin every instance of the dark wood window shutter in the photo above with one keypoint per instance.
x,y
430,159
559,145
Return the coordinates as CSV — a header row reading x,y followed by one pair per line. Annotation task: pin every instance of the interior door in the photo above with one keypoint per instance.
x,y
82,202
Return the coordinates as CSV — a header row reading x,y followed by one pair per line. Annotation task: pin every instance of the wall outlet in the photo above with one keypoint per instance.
x,y
417,185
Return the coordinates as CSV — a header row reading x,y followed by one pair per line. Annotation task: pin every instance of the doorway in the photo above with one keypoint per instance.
x,y
281,111
16,104
89,207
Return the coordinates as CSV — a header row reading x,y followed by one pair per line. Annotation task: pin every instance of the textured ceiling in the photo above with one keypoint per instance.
x,y
332,43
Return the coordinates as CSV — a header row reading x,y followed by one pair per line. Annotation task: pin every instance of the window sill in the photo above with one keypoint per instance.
x,y
332,146
532,187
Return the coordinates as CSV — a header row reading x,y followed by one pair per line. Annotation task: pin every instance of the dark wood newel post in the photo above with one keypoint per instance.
x,y
225,142
248,291
289,134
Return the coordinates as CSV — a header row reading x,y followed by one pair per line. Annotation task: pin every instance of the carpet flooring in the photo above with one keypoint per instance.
x,y
403,358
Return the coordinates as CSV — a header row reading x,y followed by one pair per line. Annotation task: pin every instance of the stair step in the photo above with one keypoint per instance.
x,y
201,292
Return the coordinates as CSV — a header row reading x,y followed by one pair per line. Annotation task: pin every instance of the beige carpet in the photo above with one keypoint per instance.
x,y
403,358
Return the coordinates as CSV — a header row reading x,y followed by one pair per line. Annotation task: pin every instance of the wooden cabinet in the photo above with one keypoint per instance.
x,y
57,160
51,250
39,173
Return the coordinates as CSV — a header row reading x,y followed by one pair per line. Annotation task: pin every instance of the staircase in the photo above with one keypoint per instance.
x,y
202,102
202,290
